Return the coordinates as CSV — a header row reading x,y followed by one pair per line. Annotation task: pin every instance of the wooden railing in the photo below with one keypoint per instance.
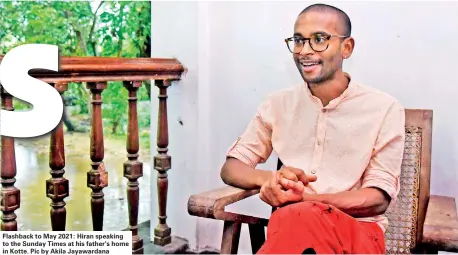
x,y
97,71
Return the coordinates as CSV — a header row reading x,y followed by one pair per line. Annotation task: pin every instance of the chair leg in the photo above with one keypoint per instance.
x,y
257,236
231,237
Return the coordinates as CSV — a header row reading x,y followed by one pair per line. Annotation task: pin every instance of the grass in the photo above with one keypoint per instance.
x,y
144,138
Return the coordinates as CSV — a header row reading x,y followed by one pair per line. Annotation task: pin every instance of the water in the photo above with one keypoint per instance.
x,y
32,160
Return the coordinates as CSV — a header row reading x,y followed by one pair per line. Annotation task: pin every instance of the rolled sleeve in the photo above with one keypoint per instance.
x,y
254,145
384,168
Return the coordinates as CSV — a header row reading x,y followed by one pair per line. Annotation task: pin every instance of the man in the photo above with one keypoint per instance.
x,y
341,144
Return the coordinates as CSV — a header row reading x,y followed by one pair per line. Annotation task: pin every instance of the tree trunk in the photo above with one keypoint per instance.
x,y
147,53
115,127
67,122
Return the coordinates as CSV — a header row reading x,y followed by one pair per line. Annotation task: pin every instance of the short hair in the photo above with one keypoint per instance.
x,y
328,8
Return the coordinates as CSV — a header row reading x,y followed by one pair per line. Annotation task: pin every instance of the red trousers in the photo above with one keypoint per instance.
x,y
298,228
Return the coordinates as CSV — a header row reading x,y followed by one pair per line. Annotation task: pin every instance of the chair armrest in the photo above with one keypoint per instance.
x,y
211,204
440,229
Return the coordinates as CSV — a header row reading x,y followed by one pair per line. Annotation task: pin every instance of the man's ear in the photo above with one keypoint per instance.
x,y
347,47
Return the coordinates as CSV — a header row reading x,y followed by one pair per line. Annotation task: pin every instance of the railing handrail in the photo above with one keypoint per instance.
x,y
99,69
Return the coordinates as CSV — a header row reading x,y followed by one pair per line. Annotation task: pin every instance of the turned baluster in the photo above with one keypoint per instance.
x,y
10,199
162,163
97,177
133,168
57,186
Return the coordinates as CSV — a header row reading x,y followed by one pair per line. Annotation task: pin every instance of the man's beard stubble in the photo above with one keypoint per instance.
x,y
321,78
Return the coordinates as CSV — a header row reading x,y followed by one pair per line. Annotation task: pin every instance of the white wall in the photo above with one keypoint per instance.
x,y
236,55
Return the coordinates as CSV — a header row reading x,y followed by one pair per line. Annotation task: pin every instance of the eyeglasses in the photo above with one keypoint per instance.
x,y
318,42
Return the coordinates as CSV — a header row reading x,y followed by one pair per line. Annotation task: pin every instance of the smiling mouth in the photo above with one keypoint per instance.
x,y
309,63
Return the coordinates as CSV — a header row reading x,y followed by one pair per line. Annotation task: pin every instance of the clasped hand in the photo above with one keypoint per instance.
x,y
285,186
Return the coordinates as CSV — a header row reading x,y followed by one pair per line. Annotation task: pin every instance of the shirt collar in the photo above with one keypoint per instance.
x,y
352,86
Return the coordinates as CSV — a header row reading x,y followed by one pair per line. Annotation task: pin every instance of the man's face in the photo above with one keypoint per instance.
x,y
318,67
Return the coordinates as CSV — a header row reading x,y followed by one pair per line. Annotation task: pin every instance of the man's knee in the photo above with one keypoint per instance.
x,y
307,209
302,218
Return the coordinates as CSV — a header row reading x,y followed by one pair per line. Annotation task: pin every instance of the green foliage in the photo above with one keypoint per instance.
x,y
115,110
111,28
21,105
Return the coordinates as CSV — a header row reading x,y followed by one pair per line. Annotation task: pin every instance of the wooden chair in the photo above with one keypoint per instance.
x,y
418,222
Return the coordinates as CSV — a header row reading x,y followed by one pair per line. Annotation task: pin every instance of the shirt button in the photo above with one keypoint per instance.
x,y
319,143
313,171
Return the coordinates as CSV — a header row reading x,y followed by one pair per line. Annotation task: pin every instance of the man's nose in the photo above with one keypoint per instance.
x,y
306,50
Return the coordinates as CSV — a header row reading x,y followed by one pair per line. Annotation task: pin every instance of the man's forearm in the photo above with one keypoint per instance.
x,y
366,202
238,174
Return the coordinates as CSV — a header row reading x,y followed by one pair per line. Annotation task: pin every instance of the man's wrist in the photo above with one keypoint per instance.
x,y
314,197
262,177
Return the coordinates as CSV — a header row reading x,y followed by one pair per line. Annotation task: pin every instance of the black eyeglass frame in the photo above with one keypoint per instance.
x,y
327,36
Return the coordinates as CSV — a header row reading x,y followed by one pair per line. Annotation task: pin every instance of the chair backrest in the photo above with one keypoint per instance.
x,y
407,215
